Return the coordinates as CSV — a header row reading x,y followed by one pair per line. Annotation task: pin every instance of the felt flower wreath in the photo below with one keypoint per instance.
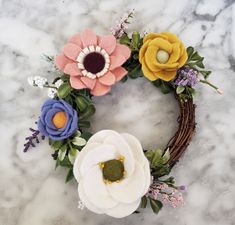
x,y
115,175
93,62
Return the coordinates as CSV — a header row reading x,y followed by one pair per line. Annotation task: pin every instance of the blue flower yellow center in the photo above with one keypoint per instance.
x,y
59,119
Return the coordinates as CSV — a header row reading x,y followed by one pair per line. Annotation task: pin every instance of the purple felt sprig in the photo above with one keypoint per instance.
x,y
33,139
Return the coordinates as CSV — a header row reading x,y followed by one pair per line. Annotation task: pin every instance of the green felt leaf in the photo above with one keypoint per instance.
x,y
124,39
155,205
79,141
82,102
64,90
84,124
135,39
196,57
205,73
69,176
87,113
86,135
166,156
200,64
62,152
144,202
190,51
66,162
56,144
72,155
157,83
165,87
180,89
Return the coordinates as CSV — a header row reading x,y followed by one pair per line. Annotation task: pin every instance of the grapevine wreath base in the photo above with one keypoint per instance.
x,y
115,174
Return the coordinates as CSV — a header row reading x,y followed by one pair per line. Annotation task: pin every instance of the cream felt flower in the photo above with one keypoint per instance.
x,y
112,173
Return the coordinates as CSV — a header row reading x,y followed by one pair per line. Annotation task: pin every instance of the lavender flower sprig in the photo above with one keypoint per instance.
x,y
119,29
33,139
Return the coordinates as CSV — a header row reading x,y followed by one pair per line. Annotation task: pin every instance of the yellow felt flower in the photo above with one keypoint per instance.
x,y
161,55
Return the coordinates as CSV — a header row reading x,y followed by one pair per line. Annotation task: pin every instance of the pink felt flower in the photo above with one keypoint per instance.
x,y
93,62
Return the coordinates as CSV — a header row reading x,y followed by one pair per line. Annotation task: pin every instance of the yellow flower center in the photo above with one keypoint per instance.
x,y
59,119
162,56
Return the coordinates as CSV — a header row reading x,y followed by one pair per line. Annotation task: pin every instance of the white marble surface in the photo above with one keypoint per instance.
x,y
32,192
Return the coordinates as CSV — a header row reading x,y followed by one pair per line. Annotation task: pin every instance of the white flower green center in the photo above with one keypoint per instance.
x,y
93,61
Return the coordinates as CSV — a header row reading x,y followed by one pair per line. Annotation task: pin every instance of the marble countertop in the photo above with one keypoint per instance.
x,y
32,192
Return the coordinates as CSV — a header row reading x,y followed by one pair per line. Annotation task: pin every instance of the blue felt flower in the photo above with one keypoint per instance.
x,y
58,120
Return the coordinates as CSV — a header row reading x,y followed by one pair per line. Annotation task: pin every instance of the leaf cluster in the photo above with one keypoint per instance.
x,y
132,65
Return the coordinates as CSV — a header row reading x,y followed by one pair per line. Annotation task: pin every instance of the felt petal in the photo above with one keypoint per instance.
x,y
61,61
48,118
98,155
86,202
77,163
100,136
72,69
129,189
122,50
77,83
71,51
161,44
135,147
76,39
116,61
90,83
175,53
151,36
95,189
108,43
119,73
42,128
123,149
172,38
107,79
100,89
166,75
88,37
143,50
122,209
147,72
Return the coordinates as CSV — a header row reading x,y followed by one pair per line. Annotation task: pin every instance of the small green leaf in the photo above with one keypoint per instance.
x,y
180,89
166,156
86,135
200,64
69,176
155,205
64,90
157,83
79,141
124,39
82,102
190,51
195,57
205,73
90,110
143,202
165,87
84,124
135,39
56,144
66,162
72,155
62,153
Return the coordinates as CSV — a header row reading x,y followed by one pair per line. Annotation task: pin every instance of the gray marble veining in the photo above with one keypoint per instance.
x,y
32,192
